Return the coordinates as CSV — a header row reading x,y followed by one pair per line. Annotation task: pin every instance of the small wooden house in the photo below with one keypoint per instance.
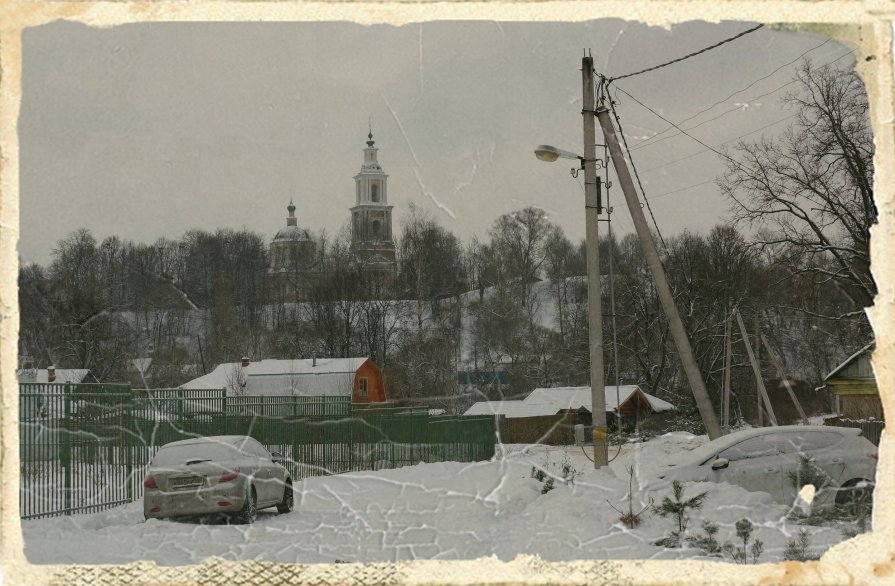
x,y
358,378
854,385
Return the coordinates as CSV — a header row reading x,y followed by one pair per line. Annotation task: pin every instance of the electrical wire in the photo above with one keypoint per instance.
x,y
653,140
739,91
612,309
785,118
719,153
694,54
634,167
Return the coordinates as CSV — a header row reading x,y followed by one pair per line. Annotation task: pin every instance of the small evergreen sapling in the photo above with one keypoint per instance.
x,y
679,509
797,549
744,529
809,473
706,541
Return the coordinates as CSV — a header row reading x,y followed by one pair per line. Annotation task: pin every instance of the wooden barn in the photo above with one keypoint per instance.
x,y
854,385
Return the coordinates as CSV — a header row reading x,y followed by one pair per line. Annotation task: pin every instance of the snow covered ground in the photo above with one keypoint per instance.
x,y
438,511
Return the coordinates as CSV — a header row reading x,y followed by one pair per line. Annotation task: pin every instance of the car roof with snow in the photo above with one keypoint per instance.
x,y
233,440
706,450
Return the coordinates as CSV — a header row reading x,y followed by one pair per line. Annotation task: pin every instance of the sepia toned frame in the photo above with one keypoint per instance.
x,y
865,559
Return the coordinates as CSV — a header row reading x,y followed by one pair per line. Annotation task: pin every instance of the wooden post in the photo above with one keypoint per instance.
x,y
786,384
759,383
727,361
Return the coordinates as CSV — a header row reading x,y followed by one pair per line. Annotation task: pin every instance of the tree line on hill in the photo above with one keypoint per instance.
x,y
513,302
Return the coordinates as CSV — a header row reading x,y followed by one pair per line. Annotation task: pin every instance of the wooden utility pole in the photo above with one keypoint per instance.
x,y
758,382
755,369
592,240
725,419
679,334
779,366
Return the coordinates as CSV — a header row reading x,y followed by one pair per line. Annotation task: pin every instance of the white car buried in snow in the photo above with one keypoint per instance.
x,y
229,474
779,460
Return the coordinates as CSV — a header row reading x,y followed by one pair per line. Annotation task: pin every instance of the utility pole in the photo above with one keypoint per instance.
x,y
727,360
594,307
758,381
782,374
691,369
756,369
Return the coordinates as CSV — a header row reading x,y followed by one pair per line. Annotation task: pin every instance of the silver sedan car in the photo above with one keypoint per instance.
x,y
778,460
231,474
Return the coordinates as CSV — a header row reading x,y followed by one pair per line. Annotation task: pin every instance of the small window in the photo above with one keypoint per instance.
x,y
374,192
362,388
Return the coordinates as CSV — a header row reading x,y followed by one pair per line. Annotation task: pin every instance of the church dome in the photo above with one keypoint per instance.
x,y
292,234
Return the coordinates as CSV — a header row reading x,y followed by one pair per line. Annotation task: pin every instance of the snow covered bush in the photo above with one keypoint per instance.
x,y
629,517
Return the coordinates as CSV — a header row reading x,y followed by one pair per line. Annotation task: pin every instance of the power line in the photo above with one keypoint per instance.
x,y
683,188
637,175
719,102
719,144
679,128
653,140
678,60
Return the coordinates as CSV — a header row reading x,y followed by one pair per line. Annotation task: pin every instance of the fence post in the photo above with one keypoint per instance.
x,y
66,448
129,433
180,422
225,414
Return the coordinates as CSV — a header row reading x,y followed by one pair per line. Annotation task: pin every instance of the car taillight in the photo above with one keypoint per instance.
x,y
229,475
149,482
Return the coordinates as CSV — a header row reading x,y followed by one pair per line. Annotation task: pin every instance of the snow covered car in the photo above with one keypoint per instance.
x,y
779,460
230,474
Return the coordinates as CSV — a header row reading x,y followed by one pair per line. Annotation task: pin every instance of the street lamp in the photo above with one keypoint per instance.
x,y
549,154
591,214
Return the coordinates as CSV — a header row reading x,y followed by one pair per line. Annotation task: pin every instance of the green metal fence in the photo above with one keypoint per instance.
x,y
76,448
87,447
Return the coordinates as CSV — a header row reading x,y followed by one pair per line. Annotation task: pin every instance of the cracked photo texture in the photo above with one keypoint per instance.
x,y
303,292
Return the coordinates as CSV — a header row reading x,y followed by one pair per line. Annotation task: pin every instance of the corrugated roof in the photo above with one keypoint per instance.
x,y
551,401
330,376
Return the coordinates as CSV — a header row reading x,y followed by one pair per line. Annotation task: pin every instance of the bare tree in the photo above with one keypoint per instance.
x,y
812,188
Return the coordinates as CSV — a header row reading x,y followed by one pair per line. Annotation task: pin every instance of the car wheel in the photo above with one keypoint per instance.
x,y
288,501
855,497
249,511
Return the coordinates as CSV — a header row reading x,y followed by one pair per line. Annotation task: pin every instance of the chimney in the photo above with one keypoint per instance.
x,y
245,361
51,374
314,361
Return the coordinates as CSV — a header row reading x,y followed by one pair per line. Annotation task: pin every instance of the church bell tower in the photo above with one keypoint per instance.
x,y
371,217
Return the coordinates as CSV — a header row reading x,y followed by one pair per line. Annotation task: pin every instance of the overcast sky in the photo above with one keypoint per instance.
x,y
149,130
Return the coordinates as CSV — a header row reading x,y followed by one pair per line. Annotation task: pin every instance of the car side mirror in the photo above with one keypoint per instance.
x,y
277,458
720,463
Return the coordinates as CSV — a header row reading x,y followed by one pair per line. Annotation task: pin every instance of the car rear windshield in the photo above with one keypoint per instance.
x,y
173,455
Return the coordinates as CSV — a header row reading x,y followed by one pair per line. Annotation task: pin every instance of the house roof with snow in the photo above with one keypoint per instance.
x,y
307,377
855,366
553,400
63,375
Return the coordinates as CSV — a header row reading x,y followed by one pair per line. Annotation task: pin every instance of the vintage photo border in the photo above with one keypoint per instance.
x,y
864,559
